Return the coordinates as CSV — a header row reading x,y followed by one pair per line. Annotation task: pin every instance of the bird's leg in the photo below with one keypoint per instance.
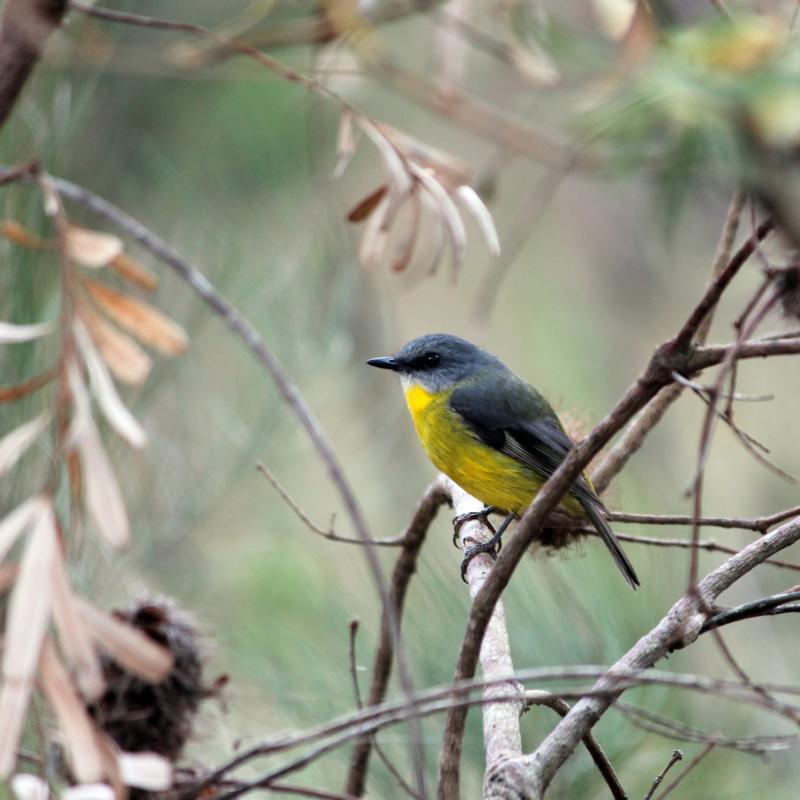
x,y
492,546
471,516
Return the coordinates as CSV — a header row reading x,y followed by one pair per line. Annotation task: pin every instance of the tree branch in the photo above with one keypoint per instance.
x,y
25,27
436,495
530,775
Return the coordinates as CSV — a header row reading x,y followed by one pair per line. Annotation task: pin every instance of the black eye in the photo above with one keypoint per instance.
x,y
430,359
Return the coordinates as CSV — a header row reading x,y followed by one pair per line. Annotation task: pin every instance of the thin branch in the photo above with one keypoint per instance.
x,y
257,346
673,729
561,707
353,628
325,533
785,603
432,500
685,771
674,759
632,440
700,544
680,626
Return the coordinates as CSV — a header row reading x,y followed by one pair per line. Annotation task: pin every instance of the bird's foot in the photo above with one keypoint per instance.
x,y
472,516
492,546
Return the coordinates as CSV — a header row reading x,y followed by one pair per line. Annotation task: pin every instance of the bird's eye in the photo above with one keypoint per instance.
x,y
430,359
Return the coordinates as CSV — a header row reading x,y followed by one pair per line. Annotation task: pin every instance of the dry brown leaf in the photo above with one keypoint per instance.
x,y
74,636
376,235
14,444
102,494
78,729
142,320
132,649
129,363
132,271
114,410
91,248
26,625
11,229
407,246
8,574
367,205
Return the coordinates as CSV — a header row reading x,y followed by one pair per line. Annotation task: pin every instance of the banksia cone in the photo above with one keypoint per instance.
x,y
155,717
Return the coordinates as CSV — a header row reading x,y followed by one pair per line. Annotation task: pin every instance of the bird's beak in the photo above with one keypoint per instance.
x,y
387,362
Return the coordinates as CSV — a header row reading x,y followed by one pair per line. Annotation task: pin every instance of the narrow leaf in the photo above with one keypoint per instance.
x,y
142,320
91,248
11,229
132,271
447,208
102,494
77,727
75,637
115,411
145,771
28,616
14,444
11,333
367,205
124,357
29,787
129,647
17,521
395,165
88,791
472,202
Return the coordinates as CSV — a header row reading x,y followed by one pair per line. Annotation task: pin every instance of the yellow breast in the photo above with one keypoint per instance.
x,y
491,476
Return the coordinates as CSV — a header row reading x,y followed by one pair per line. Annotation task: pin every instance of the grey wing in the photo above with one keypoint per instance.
x,y
515,419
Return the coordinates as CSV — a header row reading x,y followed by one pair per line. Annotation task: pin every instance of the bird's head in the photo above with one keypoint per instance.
x,y
436,362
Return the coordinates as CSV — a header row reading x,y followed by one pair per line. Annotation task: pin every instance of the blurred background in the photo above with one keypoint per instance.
x,y
234,166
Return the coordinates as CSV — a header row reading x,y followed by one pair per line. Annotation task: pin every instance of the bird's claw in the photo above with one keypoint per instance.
x,y
490,547
472,516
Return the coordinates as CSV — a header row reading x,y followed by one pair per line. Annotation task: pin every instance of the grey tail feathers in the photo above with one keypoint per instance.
x,y
594,511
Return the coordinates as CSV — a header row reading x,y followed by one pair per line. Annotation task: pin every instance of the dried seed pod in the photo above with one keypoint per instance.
x,y
156,717
789,283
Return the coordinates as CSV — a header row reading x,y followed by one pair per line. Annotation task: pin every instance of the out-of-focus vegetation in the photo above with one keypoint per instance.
x,y
233,166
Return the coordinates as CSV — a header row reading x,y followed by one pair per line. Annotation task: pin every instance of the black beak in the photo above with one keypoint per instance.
x,y
387,362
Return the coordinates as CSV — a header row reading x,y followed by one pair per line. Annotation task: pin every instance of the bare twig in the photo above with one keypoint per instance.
x,y
561,707
257,346
405,567
616,459
674,759
353,628
785,603
685,771
680,626
325,533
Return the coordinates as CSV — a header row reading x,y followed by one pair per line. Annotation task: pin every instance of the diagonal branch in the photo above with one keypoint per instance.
x,y
25,27
679,627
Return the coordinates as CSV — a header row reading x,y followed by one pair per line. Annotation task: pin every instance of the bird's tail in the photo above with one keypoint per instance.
x,y
594,511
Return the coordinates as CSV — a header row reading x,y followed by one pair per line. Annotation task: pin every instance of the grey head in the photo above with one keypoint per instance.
x,y
437,361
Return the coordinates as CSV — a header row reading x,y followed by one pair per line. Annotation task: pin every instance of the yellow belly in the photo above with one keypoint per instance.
x,y
494,478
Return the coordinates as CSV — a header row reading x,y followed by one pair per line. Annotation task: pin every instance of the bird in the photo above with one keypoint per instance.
x,y
492,433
